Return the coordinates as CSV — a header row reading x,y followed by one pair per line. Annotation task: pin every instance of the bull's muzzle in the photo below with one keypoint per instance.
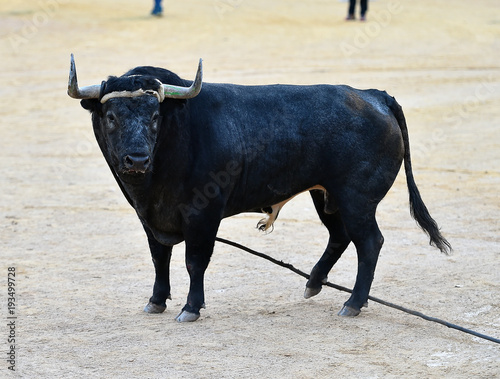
x,y
136,163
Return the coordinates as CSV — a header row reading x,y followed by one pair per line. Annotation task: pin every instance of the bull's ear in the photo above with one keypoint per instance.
x,y
91,105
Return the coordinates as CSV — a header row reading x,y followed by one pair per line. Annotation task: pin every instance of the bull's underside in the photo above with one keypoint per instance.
x,y
230,149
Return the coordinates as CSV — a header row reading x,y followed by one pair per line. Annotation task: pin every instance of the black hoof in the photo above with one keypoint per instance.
x,y
186,316
310,292
347,311
154,308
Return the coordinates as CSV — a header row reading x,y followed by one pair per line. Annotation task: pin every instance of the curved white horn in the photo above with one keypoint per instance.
x,y
175,92
89,92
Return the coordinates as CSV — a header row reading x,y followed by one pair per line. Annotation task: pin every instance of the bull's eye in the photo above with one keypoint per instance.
x,y
154,120
110,121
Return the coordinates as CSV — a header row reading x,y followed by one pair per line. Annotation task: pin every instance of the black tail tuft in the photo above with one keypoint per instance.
x,y
418,209
420,213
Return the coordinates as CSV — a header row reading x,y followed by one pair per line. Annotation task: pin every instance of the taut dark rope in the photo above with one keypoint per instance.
x,y
340,288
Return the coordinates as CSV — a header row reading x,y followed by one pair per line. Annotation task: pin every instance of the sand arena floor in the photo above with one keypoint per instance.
x,y
83,269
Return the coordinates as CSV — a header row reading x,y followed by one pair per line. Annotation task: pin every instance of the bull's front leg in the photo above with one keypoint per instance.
x,y
161,255
199,248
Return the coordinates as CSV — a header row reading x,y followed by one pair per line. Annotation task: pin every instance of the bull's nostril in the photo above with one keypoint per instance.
x,y
128,162
138,163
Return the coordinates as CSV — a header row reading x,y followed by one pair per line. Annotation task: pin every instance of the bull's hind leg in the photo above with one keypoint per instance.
x,y
338,242
366,236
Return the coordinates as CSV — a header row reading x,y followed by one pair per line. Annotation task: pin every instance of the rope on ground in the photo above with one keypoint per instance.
x,y
344,289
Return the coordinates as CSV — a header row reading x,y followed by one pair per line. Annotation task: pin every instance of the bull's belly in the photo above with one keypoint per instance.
x,y
273,210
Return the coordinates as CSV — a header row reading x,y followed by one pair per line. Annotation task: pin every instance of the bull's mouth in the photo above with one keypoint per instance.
x,y
132,176
133,172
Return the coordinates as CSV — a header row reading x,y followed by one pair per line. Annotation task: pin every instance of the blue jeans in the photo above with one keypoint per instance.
x,y
352,6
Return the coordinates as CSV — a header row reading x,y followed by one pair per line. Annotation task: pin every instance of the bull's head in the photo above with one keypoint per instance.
x,y
126,112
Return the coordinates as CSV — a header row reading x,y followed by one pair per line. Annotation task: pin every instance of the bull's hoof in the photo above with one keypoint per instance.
x,y
154,308
310,292
347,311
186,316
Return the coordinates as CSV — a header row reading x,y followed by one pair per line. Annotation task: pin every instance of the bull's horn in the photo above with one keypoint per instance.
x,y
176,92
89,92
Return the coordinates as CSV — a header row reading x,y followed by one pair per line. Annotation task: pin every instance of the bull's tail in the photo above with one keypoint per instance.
x,y
418,209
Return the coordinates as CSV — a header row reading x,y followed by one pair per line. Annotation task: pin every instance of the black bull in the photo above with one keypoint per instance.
x,y
186,158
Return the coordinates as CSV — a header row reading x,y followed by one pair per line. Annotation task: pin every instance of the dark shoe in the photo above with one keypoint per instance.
x,y
350,17
157,11
362,18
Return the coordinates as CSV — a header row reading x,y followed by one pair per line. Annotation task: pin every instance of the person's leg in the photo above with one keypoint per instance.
x,y
157,10
350,11
364,8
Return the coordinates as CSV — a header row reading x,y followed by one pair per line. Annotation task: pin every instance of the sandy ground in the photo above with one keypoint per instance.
x,y
83,267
